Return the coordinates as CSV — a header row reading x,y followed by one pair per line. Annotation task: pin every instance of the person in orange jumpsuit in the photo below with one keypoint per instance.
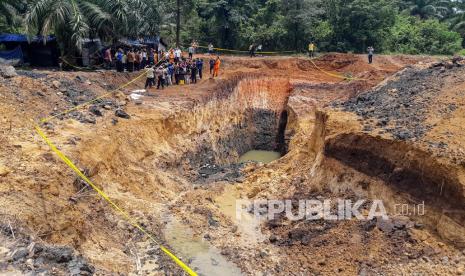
x,y
171,56
216,69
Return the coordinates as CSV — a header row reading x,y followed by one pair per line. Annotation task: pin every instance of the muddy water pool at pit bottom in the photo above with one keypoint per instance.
x,y
206,259
261,156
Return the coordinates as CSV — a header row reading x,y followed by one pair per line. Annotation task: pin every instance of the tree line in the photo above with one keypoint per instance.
x,y
391,26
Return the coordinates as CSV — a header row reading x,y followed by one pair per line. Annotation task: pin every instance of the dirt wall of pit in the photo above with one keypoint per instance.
x,y
241,117
394,165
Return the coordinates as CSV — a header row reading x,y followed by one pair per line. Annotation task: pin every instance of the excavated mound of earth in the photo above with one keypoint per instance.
x,y
170,159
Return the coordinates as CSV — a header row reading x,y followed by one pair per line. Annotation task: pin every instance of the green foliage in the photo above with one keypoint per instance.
x,y
11,20
323,31
428,8
457,20
266,26
281,24
461,52
358,24
414,36
73,20
406,26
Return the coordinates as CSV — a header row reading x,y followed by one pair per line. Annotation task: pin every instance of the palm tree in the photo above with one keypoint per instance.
x,y
145,17
108,19
457,20
64,18
73,20
11,19
429,8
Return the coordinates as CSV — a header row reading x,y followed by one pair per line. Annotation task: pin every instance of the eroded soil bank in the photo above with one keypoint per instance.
x,y
173,165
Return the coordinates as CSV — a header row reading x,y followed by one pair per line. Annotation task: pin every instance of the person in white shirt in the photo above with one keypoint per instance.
x,y
150,81
177,55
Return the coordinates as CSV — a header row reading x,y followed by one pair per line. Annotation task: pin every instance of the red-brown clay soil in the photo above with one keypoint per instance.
x,y
173,162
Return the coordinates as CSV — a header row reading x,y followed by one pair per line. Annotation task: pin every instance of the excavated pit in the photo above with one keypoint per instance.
x,y
176,171
248,115
252,113
157,154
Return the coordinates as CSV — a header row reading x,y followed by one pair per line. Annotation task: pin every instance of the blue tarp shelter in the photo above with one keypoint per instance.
x,y
18,38
33,51
12,57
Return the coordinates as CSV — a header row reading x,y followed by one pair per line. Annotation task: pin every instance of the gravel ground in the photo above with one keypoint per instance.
x,y
401,106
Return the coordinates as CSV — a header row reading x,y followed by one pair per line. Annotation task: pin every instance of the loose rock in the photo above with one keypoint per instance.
x,y
7,71
122,114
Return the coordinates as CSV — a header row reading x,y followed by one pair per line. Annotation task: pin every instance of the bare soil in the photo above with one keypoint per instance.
x,y
396,136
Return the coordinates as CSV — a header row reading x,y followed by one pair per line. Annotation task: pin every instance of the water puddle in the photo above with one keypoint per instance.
x,y
205,259
248,225
262,156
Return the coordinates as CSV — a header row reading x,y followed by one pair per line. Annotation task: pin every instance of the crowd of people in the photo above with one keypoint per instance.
x,y
179,71
163,68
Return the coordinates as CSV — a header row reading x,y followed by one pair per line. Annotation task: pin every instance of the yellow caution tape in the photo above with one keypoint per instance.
x,y
240,51
44,120
73,66
132,221
334,75
77,67
70,164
